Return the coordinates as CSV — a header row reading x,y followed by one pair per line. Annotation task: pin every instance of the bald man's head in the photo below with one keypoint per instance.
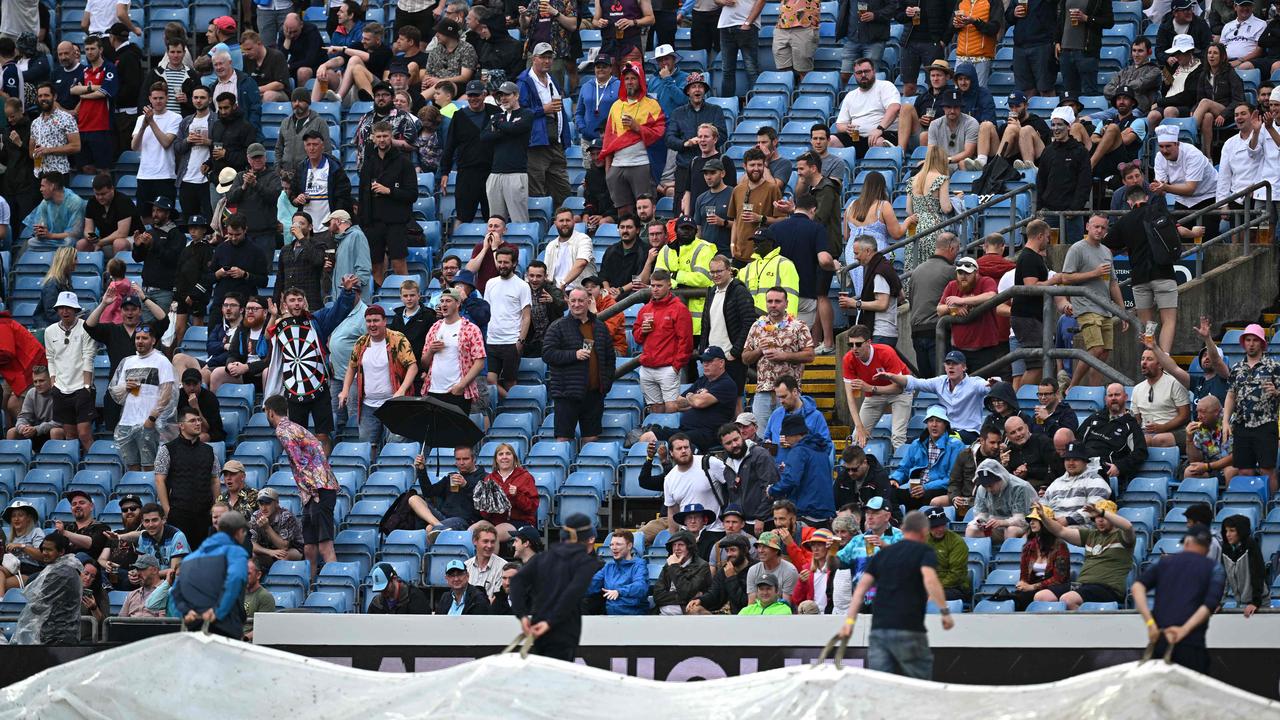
x,y
1016,430
1061,439
1116,398
1208,410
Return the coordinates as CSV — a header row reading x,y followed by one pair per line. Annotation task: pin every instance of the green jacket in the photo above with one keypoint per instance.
x,y
777,608
690,267
953,560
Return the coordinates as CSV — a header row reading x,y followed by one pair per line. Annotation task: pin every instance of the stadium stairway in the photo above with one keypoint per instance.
x,y
821,384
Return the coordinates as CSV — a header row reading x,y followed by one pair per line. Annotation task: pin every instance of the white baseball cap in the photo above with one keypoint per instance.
x,y
664,50
67,299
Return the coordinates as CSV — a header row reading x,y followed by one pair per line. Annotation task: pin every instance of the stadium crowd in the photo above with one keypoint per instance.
x,y
252,219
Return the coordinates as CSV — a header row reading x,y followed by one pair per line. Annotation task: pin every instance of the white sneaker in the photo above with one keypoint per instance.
x,y
974,164
824,350
1022,165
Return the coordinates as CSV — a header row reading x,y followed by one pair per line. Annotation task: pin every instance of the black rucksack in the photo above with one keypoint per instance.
x,y
1162,236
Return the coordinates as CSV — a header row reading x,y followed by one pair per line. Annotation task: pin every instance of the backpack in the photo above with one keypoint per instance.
x,y
1162,236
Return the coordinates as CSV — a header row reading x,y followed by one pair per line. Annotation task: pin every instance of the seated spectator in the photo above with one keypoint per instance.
x,y
1119,132
860,478
1219,89
237,496
710,402
953,555
52,612
1115,437
925,471
1001,505
770,550
791,532
463,598
696,520
1108,554
147,568
962,489
1209,449
453,506
35,422
734,522
1001,404
1051,414
684,577
509,498
484,569
623,580
1201,514
728,590
257,599
93,596
22,543
395,596
857,552
1243,564
1045,566
766,600
161,540
276,533
501,604
1161,405
1029,456
812,591
194,395
1079,487
804,465
58,221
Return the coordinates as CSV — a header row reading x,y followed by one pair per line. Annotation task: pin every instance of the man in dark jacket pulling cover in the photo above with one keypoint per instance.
x,y
556,581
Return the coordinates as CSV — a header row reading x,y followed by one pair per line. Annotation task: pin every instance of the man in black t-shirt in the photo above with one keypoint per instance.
x,y
110,219
367,62
1026,315
905,575
267,66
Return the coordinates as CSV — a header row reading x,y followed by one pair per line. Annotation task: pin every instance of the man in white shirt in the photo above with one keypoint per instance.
x,y
690,482
510,305
153,137
143,386
1183,171
868,113
739,27
70,353
1245,157
1241,35
1161,405
100,15
192,156
570,256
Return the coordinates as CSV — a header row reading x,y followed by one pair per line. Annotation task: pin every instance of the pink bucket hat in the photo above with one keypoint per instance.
x,y
1256,330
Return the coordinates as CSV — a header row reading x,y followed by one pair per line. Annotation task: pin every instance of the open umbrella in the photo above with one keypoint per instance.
x,y
429,421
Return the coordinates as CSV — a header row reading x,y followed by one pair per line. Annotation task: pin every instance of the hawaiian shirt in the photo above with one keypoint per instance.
x,y
1209,441
444,64
52,131
311,470
800,14
548,29
790,335
286,525
404,126
1253,407
854,555
470,349
245,502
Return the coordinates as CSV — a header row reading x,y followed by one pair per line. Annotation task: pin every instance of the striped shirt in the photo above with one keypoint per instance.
x,y
1070,493
173,79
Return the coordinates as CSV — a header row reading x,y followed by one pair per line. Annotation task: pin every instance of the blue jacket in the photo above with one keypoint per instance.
x,y
668,91
476,309
529,99
631,579
249,98
918,457
812,417
978,102
214,576
587,117
682,124
806,478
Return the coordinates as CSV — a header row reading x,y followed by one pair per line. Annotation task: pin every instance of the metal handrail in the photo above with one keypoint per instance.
x,y
636,298
1047,351
920,234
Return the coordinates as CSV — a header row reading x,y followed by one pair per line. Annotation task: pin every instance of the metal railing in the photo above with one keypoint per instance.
x,y
1047,353
639,297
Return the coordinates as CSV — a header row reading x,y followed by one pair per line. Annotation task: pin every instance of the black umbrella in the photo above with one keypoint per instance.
x,y
429,421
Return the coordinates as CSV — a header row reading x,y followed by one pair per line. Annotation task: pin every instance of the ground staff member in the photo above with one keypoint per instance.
x,y
555,581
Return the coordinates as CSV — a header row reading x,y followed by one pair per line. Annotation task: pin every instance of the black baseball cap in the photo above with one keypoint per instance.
x,y
131,498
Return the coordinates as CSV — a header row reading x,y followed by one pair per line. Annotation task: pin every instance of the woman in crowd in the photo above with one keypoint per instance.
x,y
57,280
1219,91
871,214
430,138
1046,565
1182,81
507,496
1242,562
22,556
52,613
928,204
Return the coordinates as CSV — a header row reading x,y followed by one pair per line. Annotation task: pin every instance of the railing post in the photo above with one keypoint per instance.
x,y
1046,340
1248,213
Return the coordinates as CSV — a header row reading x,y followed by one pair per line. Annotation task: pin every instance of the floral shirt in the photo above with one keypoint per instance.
x,y
470,349
1253,407
52,131
444,64
404,126
429,149
286,525
245,502
549,29
311,470
790,335
1208,440
800,14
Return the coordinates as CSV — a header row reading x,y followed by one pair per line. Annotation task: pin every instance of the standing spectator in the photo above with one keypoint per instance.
x,y
711,208
230,135
388,189
739,27
119,337
867,112
805,471
977,31
795,46
706,144
667,85
728,316
867,394
960,395
1027,313
510,300
412,319
158,247
864,32
1115,437
255,194
569,257
237,266
93,113
289,143
192,148
928,22
484,256
321,184
187,478
352,256
179,79
211,586
1034,23
58,221
454,355
1078,43
317,485
688,259
18,184
979,339
752,206
594,100
143,386
111,220
1064,179
153,136
624,262
508,185
548,172
664,329
631,151
1153,276
302,262
579,354
1161,405
55,133
875,304
1088,264
382,367
684,124
1251,407
547,305
779,346
928,282
465,152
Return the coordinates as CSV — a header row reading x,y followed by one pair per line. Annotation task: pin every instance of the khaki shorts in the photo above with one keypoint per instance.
x,y
794,48
1160,294
1096,331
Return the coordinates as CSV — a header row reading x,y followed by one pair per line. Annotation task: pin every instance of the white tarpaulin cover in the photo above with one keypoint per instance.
x,y
197,677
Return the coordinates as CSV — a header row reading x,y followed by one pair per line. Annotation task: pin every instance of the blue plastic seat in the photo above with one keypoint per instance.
x,y
1040,606
368,512
1094,607
994,606
289,573
332,601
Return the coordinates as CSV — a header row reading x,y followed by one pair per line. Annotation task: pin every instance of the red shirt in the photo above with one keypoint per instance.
x,y
983,332
883,359
95,115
